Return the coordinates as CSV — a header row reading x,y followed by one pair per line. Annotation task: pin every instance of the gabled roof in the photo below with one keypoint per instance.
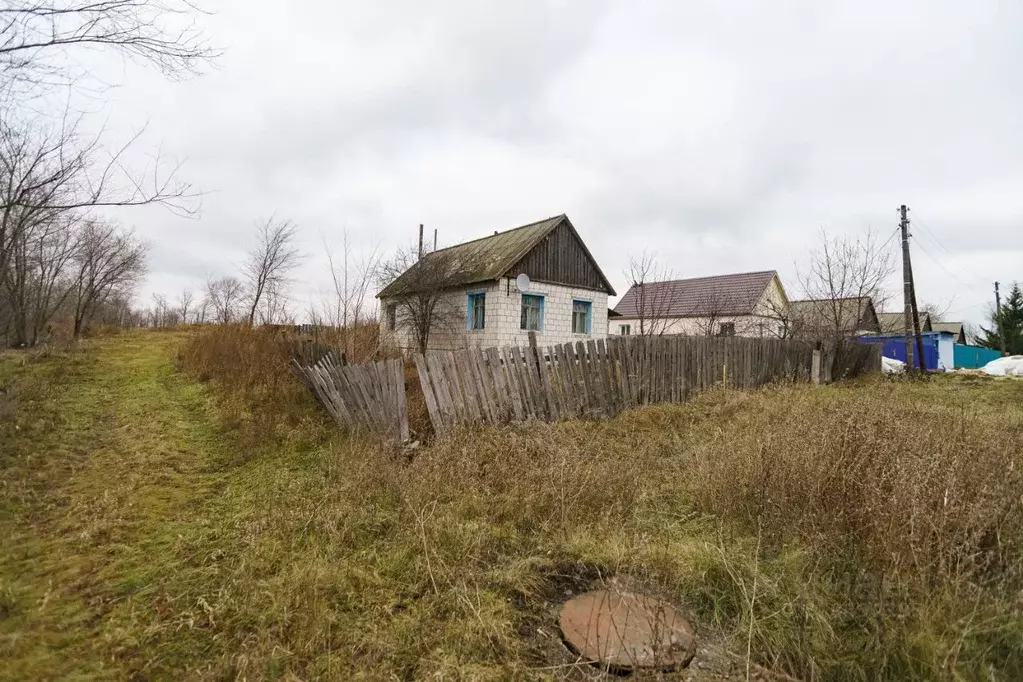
x,y
736,294
488,258
820,314
895,322
952,327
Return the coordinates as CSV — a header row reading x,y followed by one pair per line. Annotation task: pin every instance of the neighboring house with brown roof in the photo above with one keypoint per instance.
x,y
957,329
895,323
480,304
742,304
826,318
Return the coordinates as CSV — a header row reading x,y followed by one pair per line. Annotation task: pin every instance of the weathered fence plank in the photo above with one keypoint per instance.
x,y
370,397
586,378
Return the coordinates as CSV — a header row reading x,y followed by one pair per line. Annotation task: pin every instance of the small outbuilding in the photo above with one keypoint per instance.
x,y
939,348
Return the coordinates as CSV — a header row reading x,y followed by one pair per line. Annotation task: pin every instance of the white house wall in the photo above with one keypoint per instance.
x,y
745,325
503,317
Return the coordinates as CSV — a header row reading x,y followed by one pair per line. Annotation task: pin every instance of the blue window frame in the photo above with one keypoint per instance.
x,y
582,317
532,313
476,310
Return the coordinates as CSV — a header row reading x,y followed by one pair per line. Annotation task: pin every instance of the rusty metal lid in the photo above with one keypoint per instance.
x,y
626,631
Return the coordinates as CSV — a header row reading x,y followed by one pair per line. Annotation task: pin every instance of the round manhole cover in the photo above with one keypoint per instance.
x,y
623,630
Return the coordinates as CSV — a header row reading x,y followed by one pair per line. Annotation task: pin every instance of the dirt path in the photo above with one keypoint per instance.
x,y
110,457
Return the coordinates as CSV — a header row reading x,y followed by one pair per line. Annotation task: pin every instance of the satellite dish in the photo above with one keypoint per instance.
x,y
522,282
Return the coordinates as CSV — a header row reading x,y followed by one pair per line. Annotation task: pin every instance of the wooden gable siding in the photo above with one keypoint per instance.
x,y
870,320
559,258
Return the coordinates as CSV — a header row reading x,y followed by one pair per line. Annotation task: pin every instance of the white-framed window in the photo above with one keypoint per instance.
x,y
625,329
582,316
476,310
391,316
532,313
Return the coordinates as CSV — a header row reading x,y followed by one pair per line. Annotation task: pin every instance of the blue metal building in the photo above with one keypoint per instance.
x,y
939,348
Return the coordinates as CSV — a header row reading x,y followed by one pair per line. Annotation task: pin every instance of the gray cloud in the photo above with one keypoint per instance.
x,y
723,137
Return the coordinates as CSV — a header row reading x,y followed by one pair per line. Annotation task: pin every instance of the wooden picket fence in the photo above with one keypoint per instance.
x,y
597,378
370,396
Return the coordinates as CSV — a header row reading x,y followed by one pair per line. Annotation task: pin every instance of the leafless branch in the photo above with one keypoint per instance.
x,y
420,309
842,276
352,276
224,295
652,303
268,268
39,37
109,261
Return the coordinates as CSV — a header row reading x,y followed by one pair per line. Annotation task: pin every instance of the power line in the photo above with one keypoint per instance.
x,y
938,263
894,234
930,232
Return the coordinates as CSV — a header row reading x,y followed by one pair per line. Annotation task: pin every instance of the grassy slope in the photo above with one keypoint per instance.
x,y
148,539
112,477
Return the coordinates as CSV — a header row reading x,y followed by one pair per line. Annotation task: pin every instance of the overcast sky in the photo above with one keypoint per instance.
x,y
723,135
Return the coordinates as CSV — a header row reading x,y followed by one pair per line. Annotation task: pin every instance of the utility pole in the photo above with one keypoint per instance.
x,y
916,322
998,319
907,288
907,269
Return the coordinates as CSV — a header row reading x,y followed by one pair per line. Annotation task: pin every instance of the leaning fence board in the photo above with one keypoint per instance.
x,y
370,397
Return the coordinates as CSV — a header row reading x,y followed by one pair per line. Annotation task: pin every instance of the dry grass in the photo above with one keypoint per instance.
x,y
865,531
257,389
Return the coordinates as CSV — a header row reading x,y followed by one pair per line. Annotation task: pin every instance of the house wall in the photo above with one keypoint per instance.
x,y
745,325
774,302
503,317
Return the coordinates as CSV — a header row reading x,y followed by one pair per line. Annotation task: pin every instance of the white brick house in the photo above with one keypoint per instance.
x,y
478,303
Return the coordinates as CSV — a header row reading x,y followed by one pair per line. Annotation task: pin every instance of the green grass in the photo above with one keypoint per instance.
x,y
156,528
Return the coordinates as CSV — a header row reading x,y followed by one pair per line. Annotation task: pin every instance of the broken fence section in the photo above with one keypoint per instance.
x,y
369,396
597,378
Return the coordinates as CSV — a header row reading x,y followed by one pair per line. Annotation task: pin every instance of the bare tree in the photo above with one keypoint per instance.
x,y
185,304
844,275
352,276
936,310
38,37
777,318
34,285
224,296
109,261
267,269
160,310
201,309
653,303
117,311
416,301
51,178
275,304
